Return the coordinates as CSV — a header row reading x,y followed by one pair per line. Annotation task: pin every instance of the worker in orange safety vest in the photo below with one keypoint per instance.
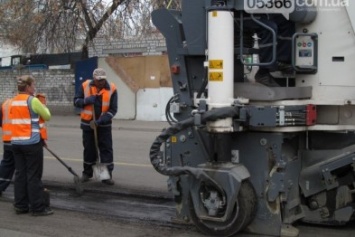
x,y
98,100
28,134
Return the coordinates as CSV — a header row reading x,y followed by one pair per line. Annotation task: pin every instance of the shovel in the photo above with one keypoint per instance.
x,y
100,170
78,186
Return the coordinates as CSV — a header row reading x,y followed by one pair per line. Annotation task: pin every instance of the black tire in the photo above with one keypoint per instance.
x,y
243,213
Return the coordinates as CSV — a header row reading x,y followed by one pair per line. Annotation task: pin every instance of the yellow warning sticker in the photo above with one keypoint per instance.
x,y
216,64
215,76
214,13
173,139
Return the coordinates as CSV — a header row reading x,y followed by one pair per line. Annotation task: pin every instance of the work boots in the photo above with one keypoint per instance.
x,y
85,178
46,212
20,211
108,182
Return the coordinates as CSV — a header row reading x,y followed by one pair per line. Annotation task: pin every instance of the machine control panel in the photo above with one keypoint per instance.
x,y
305,52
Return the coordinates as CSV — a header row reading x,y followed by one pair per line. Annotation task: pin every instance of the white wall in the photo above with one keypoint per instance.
x,y
151,103
126,97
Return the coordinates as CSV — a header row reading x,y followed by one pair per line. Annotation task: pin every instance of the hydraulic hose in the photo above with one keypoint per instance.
x,y
211,115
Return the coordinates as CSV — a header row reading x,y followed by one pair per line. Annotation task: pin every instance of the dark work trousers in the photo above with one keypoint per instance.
x,y
284,31
7,167
104,135
28,175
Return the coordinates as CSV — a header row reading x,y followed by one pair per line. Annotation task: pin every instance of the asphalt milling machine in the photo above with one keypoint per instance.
x,y
242,156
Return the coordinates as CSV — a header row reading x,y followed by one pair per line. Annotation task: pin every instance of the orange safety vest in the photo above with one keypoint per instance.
x,y
23,125
6,122
86,113
43,129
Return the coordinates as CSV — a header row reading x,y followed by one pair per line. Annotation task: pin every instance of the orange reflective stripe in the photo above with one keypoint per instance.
x,y
6,121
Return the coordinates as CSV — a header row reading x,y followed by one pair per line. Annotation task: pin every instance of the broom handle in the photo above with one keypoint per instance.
x,y
61,161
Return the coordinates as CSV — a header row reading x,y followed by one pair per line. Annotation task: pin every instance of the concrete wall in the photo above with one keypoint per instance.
x,y
138,102
144,86
58,85
153,45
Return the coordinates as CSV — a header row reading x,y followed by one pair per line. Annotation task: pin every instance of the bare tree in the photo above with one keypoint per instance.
x,y
47,26
172,4
54,25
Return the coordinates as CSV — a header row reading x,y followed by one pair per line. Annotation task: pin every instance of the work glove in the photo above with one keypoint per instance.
x,y
96,123
104,118
42,98
90,100
93,124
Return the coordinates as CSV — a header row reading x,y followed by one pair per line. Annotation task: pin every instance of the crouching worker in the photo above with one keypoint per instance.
x,y
27,115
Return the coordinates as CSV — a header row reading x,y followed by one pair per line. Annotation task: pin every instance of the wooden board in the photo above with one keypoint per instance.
x,y
142,71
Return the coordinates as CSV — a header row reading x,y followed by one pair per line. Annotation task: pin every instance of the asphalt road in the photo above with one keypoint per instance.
x,y
132,165
133,174
65,223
